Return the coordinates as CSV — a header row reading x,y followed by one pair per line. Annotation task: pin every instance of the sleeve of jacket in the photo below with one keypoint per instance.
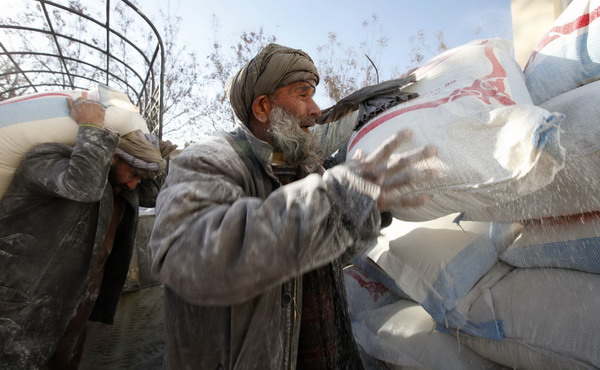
x,y
213,245
78,175
335,135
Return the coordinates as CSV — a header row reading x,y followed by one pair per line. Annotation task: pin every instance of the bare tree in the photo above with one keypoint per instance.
x,y
181,83
345,69
10,78
423,50
221,63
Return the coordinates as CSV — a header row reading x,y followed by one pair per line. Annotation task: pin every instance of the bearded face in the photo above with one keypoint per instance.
x,y
287,136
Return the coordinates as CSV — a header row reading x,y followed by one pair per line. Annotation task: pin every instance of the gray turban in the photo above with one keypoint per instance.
x,y
141,151
274,66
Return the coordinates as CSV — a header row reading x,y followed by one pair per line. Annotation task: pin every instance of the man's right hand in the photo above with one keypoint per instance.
x,y
86,111
391,172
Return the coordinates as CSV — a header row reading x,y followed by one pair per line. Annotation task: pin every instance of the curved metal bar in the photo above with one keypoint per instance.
x,y
77,61
15,64
60,55
40,71
103,25
162,69
107,38
56,44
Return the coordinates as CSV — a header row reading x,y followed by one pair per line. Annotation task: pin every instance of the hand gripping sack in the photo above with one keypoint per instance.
x,y
493,144
44,117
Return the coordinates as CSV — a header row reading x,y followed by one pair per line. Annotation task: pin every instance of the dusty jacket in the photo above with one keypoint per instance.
x,y
229,243
53,219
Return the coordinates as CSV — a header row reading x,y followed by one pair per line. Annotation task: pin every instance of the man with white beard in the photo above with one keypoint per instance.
x,y
251,232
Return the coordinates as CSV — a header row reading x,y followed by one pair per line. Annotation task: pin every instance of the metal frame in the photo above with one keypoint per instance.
x,y
145,89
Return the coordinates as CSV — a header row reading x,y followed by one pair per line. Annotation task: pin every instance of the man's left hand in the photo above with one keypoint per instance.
x,y
166,148
86,111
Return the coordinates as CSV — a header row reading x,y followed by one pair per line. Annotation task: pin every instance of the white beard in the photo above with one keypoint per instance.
x,y
298,147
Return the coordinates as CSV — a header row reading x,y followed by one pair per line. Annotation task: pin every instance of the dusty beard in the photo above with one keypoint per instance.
x,y
300,148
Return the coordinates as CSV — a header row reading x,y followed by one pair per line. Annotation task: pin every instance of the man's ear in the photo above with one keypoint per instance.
x,y
261,108
114,159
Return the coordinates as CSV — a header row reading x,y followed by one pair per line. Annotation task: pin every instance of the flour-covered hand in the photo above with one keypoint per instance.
x,y
86,111
393,171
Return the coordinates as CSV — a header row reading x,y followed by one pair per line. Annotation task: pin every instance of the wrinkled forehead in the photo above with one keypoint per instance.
x,y
298,87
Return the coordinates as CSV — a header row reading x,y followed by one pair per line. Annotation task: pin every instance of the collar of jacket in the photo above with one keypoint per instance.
x,y
261,150
254,147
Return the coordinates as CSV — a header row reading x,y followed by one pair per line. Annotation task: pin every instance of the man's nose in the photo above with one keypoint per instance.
x,y
132,184
313,110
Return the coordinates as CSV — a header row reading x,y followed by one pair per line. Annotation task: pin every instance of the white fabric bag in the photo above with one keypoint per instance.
x,y
549,316
574,189
403,334
493,144
566,242
436,263
44,117
568,55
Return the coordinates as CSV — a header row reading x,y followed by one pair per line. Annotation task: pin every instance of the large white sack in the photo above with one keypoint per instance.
x,y
493,144
402,334
568,55
436,263
399,332
550,320
44,117
565,242
574,189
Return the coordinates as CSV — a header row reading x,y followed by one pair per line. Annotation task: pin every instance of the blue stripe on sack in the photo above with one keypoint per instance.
x,y
546,137
590,56
578,66
461,274
33,110
580,254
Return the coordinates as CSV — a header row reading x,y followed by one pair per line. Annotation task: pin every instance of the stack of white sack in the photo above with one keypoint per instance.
x,y
493,144
44,117
430,282
550,302
532,302
395,333
409,284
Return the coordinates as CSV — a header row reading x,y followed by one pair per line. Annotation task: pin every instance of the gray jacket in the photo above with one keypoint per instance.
x,y
53,219
230,243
